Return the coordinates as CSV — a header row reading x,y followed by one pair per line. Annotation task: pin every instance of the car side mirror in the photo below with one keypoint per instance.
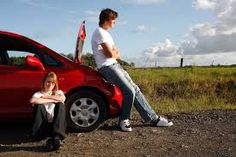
x,y
34,62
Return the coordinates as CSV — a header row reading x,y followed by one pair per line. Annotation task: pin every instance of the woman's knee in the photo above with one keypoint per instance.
x,y
60,106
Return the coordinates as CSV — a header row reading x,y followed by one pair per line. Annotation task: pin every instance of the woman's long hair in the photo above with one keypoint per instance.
x,y
52,76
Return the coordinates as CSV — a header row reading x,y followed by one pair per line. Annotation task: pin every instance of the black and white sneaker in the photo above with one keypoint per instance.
x,y
125,125
162,122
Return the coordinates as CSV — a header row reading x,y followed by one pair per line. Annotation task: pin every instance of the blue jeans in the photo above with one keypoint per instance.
x,y
131,92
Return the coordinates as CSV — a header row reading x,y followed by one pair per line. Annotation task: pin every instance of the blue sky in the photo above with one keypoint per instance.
x,y
148,32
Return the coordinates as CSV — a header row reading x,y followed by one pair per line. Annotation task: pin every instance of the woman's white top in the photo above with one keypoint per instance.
x,y
48,106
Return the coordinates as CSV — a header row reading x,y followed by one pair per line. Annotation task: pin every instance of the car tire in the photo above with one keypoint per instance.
x,y
86,110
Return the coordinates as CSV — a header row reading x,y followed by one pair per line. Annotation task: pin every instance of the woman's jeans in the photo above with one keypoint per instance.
x,y
131,92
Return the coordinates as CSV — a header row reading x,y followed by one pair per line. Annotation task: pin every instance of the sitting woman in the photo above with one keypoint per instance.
x,y
49,112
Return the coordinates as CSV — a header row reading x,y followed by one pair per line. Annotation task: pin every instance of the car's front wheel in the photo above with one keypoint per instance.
x,y
86,110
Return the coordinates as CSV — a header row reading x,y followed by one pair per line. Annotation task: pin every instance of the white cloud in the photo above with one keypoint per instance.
x,y
163,50
216,40
204,4
162,54
174,61
143,29
215,37
211,59
141,2
211,39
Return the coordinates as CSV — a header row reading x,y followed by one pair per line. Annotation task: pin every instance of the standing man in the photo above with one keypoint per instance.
x,y
106,54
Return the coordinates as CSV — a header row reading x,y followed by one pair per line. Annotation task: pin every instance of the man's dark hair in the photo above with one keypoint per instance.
x,y
106,15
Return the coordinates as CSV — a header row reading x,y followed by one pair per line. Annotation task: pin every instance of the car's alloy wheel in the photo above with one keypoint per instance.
x,y
86,110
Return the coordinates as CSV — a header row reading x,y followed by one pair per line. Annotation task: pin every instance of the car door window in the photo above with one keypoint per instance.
x,y
17,58
50,61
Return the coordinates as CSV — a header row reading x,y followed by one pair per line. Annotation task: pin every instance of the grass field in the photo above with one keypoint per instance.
x,y
187,89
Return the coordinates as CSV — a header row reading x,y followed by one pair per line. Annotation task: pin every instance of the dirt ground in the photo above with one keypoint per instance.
x,y
200,134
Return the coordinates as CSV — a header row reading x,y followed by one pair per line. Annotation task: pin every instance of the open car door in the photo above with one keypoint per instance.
x,y
80,43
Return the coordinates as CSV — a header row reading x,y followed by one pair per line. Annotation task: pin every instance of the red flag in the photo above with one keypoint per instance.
x,y
82,32
80,43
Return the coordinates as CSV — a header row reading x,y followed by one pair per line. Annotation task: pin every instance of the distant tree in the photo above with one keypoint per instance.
x,y
69,55
132,64
126,64
18,61
89,60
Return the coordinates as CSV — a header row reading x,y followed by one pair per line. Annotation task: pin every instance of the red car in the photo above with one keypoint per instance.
x,y
23,63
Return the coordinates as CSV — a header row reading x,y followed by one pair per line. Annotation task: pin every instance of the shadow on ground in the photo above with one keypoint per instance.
x,y
14,133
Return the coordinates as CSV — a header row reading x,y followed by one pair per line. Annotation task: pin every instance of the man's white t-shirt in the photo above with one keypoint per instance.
x,y
48,106
100,36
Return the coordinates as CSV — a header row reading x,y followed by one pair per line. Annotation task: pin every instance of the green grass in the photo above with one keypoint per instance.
x,y
188,89
178,74
167,105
